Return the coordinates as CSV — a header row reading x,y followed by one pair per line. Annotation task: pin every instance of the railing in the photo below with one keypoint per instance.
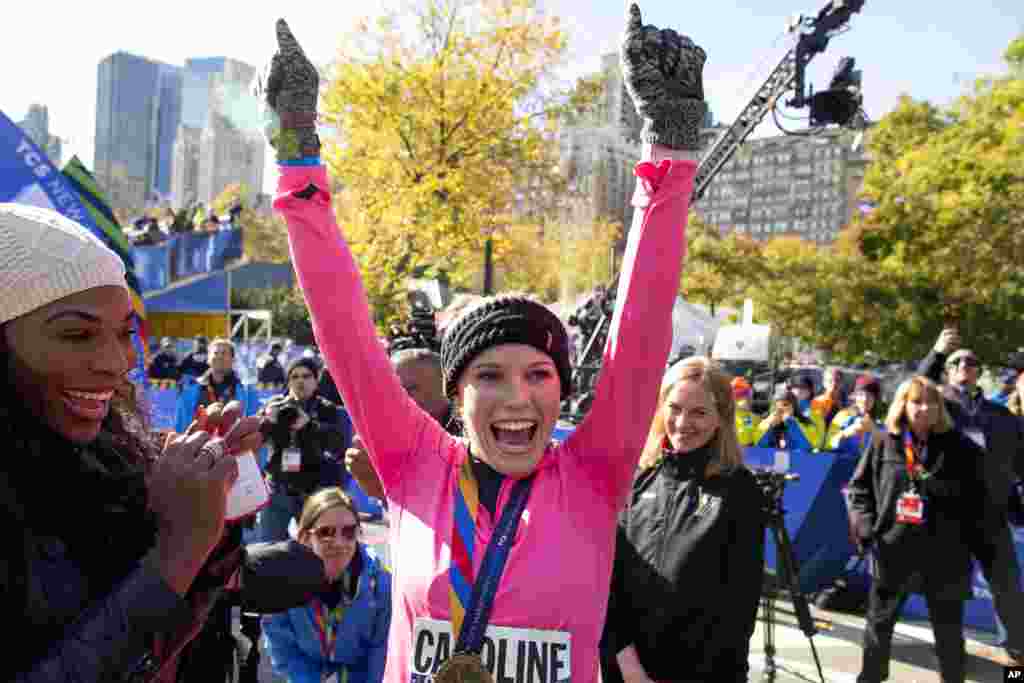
x,y
184,255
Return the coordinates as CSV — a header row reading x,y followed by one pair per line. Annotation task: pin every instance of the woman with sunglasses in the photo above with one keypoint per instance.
x,y
341,635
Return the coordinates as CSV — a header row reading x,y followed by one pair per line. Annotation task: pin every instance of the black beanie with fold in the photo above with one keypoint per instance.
x,y
505,319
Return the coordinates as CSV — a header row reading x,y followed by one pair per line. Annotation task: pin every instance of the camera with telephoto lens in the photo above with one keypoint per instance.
x,y
303,477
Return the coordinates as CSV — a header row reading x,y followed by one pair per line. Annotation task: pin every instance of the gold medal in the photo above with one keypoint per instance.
x,y
463,667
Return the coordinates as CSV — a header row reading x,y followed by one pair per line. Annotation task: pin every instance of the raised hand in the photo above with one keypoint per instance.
x,y
664,75
357,460
187,491
289,90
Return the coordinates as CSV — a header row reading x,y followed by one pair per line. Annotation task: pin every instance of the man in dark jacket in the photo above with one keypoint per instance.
x,y
196,363
268,368
419,371
164,365
1001,435
308,435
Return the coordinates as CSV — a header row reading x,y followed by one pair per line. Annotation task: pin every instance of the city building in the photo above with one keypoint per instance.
x,y
185,166
218,143
787,185
598,155
37,126
138,106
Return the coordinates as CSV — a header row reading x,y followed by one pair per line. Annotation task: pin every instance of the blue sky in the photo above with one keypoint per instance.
x,y
928,49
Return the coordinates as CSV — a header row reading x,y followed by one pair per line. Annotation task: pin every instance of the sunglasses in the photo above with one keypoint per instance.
x,y
967,362
348,533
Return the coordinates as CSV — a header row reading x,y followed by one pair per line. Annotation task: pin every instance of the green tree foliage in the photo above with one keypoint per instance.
x,y
948,186
290,315
440,126
718,270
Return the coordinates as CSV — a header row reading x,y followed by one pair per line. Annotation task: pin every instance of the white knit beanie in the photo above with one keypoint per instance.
x,y
45,256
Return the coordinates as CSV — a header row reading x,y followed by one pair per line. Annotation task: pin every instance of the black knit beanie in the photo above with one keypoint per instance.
x,y
506,319
303,362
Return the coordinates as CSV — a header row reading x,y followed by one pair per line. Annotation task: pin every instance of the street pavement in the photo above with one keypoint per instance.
x,y
838,646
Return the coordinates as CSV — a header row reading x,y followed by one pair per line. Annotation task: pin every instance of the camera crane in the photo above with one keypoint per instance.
x,y
839,104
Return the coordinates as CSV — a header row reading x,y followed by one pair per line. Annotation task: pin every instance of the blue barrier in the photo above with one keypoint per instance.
x,y
153,266
185,255
817,522
163,400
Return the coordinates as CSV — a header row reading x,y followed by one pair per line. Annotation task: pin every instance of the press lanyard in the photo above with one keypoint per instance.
x,y
915,466
471,603
327,623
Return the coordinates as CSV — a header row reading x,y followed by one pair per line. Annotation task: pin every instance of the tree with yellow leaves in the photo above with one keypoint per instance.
x,y
444,121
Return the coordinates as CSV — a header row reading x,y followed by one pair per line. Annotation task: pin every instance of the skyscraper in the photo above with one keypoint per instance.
x,y
219,141
138,107
37,126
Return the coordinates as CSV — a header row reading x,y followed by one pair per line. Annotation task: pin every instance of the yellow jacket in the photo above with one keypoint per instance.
x,y
746,426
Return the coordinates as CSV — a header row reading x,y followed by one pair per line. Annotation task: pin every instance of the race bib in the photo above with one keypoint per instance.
x,y
511,655
291,460
977,436
910,509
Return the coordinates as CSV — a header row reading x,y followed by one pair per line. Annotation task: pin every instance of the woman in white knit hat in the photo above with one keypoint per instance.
x,y
104,538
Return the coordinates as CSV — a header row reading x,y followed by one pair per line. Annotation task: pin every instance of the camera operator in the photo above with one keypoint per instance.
x,y
786,427
307,435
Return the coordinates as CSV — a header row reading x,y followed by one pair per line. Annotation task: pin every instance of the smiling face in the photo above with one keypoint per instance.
x,y
510,397
922,410
333,538
67,358
691,417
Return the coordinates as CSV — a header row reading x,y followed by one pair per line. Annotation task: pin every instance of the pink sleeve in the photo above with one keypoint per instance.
x,y
608,443
388,421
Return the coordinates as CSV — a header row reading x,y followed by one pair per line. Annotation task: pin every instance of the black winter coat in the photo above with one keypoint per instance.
x,y
687,576
324,436
932,556
1004,441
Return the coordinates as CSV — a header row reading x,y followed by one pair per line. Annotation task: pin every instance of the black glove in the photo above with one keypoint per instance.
x,y
664,75
289,91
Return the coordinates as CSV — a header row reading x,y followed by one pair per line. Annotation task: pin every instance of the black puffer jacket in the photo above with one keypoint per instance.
x,y
688,571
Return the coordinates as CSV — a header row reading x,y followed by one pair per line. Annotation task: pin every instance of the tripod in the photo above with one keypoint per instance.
x,y
774,484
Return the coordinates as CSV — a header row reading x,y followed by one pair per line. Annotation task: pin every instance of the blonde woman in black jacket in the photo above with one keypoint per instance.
x,y
690,551
908,499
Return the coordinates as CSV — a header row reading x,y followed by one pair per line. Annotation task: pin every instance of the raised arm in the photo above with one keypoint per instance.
x,y
663,73
388,421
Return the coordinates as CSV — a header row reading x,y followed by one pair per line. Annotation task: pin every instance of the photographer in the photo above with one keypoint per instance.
x,y
307,435
787,428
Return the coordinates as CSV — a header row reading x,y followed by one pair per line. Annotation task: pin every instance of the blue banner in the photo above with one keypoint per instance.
x,y
28,177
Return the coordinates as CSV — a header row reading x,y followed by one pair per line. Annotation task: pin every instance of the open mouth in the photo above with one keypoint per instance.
x,y
514,435
87,405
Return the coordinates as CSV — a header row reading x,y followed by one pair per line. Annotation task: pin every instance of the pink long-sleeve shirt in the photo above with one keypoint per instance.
x,y
558,570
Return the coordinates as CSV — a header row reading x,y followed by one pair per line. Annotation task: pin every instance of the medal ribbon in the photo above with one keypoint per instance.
x,y
916,470
327,622
471,602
